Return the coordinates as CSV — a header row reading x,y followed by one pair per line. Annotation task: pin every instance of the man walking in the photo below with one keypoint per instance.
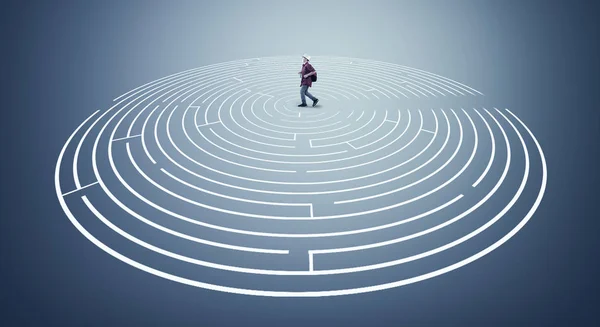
x,y
306,82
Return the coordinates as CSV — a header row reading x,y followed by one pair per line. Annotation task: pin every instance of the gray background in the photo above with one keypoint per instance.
x,y
63,60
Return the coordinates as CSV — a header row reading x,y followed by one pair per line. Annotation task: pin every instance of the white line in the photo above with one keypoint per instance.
x,y
230,85
184,218
458,241
371,131
388,155
239,80
390,75
359,117
401,239
424,88
135,120
178,256
298,193
265,108
310,121
307,293
251,122
284,107
266,95
272,153
264,181
379,227
393,68
492,155
209,153
144,146
214,122
321,293
428,131
381,138
347,133
252,140
78,149
79,189
127,137
223,195
282,127
126,185
428,176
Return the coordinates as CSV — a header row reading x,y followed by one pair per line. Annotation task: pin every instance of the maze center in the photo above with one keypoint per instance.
x,y
214,178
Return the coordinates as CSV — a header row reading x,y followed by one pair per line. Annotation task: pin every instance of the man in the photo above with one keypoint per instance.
x,y
306,82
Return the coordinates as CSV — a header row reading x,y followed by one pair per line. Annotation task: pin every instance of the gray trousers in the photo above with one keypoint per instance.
x,y
304,93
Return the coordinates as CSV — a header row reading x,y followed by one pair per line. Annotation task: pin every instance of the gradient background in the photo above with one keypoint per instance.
x,y
63,60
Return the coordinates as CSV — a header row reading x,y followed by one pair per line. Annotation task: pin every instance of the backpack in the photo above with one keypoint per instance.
x,y
313,77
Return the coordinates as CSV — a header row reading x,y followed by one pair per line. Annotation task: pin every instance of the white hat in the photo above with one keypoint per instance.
x,y
306,56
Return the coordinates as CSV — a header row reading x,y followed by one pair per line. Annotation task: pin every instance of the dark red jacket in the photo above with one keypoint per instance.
x,y
307,68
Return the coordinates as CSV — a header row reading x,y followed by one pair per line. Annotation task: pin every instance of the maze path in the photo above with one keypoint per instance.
x,y
214,178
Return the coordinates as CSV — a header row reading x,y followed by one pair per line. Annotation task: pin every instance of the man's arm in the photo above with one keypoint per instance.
x,y
311,73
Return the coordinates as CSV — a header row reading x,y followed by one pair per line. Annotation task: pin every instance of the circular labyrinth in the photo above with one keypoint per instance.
x,y
213,177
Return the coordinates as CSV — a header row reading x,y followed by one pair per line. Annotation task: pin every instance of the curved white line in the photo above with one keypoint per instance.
x,y
492,155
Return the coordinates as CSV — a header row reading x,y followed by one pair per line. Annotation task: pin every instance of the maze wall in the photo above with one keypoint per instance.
x,y
213,177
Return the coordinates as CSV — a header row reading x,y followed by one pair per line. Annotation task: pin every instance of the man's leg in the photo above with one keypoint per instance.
x,y
303,90
308,94
314,100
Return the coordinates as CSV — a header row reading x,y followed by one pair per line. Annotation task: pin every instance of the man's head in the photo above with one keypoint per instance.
x,y
305,58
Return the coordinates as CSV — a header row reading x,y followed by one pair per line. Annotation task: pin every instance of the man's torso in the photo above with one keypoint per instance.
x,y
306,68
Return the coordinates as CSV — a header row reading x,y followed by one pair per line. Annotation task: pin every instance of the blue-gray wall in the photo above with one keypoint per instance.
x,y
63,60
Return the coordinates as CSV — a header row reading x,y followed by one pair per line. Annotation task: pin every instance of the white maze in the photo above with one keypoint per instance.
x,y
214,178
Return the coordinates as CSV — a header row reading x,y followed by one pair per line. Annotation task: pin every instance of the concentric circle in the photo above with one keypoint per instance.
x,y
214,178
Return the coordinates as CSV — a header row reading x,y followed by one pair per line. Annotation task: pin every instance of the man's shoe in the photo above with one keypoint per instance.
x,y
315,102
302,105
